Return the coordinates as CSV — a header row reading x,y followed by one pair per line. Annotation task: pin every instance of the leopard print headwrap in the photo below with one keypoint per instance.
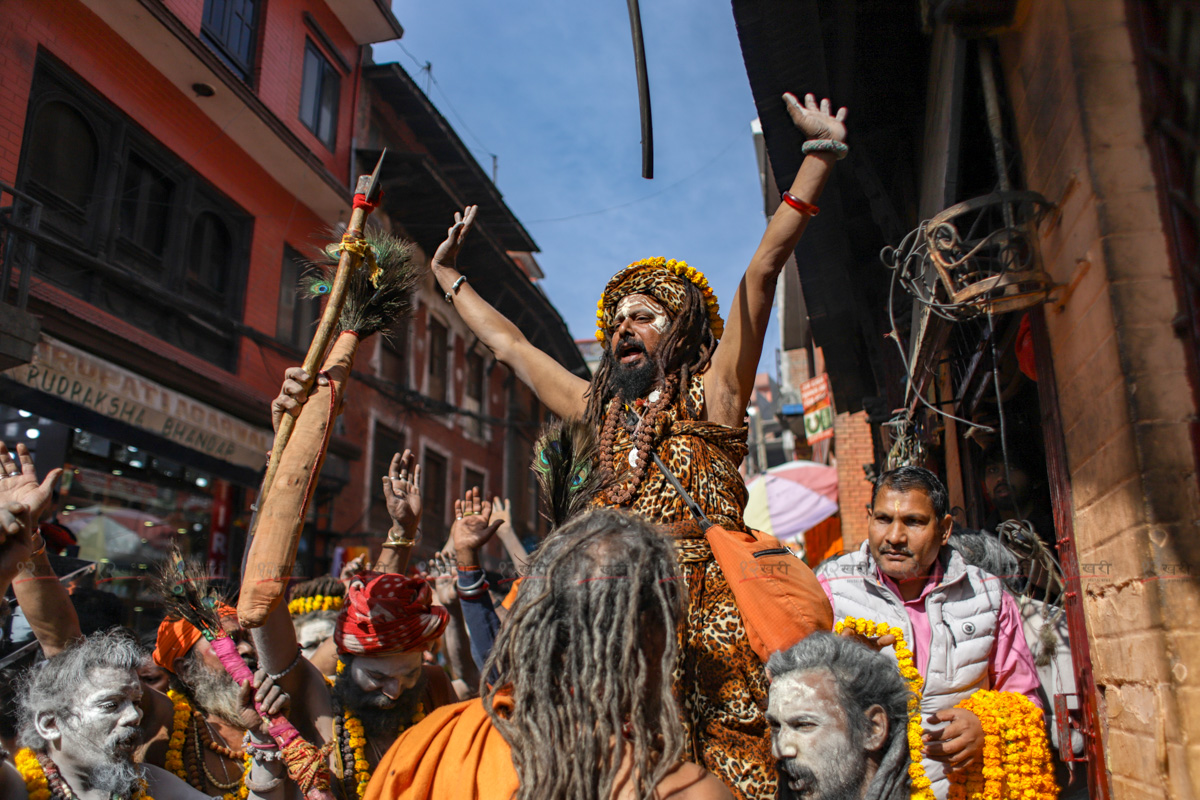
x,y
665,281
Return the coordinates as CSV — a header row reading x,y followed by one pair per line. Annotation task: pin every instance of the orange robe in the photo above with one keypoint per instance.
x,y
455,753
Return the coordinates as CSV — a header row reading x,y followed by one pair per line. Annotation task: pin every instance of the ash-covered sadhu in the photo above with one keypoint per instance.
x,y
674,380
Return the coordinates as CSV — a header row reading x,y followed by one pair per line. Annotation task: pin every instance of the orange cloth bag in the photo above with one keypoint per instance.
x,y
778,597
281,518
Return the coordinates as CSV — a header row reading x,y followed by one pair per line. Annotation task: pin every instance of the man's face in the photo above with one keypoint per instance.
x,y
1006,493
818,752
99,734
904,534
384,691
312,633
386,678
214,690
154,676
640,323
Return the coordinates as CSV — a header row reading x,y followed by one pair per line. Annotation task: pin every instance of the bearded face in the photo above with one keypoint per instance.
x,y
819,753
639,325
382,691
98,736
211,687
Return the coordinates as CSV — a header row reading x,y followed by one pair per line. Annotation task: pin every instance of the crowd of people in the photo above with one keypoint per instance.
x,y
627,662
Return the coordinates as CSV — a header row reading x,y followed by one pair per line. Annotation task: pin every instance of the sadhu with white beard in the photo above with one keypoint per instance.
x,y
80,721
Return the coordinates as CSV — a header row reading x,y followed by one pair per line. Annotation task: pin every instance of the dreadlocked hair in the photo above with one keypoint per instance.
x,y
599,608
686,348
321,586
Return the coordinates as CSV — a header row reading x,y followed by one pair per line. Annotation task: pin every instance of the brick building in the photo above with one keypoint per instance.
x,y
165,167
1066,129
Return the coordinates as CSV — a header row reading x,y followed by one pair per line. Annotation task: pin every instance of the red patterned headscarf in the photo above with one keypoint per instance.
x,y
386,614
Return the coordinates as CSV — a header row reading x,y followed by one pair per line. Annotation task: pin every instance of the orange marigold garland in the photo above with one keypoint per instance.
x,y
1016,757
921,785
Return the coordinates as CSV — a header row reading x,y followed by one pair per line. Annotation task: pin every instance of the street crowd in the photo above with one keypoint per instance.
x,y
652,647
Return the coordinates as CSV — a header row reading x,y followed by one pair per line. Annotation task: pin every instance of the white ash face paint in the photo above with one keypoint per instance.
x,y
636,303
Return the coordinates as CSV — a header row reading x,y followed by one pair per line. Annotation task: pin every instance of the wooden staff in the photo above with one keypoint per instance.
x,y
349,261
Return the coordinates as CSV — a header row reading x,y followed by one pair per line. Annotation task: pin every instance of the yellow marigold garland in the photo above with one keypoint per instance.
x,y
319,602
37,785
921,785
1016,757
173,762
183,712
683,270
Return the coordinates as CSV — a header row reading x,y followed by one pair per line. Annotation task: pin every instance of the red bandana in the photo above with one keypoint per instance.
x,y
386,614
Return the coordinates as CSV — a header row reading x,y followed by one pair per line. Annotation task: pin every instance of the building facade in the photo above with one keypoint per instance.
x,y
1056,139
166,168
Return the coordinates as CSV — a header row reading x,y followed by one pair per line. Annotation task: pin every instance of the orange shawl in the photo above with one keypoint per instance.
x,y
455,753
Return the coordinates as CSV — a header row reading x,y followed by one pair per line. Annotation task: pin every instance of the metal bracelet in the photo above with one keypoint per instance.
x,y
839,149
454,289
263,788
290,667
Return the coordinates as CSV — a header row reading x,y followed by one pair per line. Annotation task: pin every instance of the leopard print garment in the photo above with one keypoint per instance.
x,y
719,681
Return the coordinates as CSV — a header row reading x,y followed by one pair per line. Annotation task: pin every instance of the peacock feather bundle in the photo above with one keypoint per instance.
x,y
188,594
379,292
564,460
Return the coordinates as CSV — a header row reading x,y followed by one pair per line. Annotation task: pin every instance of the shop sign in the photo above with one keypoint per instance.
x,y
818,409
83,379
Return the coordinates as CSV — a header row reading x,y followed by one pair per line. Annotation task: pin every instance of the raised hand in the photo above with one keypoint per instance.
x,y
816,121
16,539
292,394
447,252
402,490
473,527
19,483
501,510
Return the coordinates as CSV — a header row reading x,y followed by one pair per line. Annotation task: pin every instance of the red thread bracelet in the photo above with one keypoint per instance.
x,y
360,201
799,205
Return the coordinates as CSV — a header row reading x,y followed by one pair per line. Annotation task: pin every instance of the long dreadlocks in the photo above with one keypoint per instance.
x,y
686,348
587,653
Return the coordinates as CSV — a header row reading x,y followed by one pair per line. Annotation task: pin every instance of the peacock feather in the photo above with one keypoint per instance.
x,y
564,460
378,294
189,594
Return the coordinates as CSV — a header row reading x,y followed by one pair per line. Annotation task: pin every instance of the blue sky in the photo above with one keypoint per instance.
x,y
550,88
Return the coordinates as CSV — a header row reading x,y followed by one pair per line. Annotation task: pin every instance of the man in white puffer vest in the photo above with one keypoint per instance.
x,y
963,629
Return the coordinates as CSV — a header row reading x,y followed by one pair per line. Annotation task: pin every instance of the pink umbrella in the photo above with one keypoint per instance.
x,y
787,500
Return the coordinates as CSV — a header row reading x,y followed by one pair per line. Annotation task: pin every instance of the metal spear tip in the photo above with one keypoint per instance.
x,y
374,186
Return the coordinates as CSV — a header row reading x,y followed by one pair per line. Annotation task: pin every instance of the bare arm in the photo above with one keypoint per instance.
x,y
23,561
560,390
730,380
458,643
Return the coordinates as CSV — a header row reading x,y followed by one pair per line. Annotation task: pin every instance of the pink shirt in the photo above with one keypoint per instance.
x,y
1010,665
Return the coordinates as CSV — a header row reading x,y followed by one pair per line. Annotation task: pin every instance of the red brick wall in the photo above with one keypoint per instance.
x,y
853,448
115,70
1124,397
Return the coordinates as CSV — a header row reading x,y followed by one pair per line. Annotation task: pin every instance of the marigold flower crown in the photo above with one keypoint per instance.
x,y
674,267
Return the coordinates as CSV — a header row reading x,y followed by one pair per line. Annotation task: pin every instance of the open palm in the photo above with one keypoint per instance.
x,y
19,483
816,121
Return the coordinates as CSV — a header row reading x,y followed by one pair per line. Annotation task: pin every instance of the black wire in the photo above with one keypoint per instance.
x,y
895,337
